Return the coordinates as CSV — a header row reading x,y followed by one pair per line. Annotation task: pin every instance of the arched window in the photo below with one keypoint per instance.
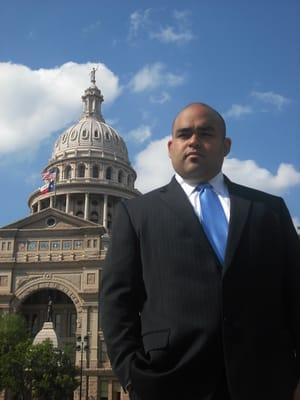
x,y
81,171
109,221
57,174
67,172
79,214
95,171
94,216
120,176
108,173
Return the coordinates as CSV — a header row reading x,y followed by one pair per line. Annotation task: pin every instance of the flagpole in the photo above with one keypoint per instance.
x,y
54,202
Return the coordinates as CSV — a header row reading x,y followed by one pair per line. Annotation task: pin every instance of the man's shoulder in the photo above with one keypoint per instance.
x,y
148,197
251,193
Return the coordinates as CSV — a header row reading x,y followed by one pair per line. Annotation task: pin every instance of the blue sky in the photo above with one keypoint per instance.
x,y
153,58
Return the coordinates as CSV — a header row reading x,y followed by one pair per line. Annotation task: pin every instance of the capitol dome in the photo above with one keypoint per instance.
x,y
91,132
89,168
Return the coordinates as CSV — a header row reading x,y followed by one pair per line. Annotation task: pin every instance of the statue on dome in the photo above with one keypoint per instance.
x,y
93,75
50,310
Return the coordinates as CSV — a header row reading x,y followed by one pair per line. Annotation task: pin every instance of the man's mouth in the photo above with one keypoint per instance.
x,y
193,154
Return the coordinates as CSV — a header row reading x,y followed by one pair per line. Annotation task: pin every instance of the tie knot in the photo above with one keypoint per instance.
x,y
200,188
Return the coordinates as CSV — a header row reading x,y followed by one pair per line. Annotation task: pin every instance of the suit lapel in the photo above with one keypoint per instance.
x,y
239,209
178,202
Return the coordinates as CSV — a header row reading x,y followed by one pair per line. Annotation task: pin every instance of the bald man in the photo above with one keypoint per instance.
x,y
201,287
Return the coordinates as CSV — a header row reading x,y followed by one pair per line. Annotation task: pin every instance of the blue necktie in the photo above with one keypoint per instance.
x,y
213,219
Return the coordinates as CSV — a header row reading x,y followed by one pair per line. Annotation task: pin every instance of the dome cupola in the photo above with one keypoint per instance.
x,y
91,132
89,167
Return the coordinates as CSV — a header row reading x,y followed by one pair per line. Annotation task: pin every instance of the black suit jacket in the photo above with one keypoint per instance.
x,y
175,320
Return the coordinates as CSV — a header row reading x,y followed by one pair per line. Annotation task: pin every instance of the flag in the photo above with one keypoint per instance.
x,y
49,176
48,187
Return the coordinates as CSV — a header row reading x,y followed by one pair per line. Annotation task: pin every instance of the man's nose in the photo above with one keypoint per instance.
x,y
194,139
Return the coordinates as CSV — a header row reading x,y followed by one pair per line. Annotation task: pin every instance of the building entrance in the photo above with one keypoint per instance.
x,y
35,311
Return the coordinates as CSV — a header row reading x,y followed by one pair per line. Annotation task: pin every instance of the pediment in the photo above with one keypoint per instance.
x,y
51,218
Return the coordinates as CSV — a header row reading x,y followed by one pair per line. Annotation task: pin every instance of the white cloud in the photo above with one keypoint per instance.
x,y
154,169
237,110
181,16
170,35
152,76
179,32
160,99
138,20
272,98
33,179
140,134
296,222
248,173
91,28
153,166
31,35
35,103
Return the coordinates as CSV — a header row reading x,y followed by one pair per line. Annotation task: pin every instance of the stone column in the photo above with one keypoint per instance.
x,y
51,201
110,390
67,203
93,387
94,340
39,206
86,206
105,211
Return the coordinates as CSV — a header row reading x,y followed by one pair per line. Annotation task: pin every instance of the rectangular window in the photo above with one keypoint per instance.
x,y
90,279
67,244
103,351
78,244
3,246
58,324
72,326
43,245
32,245
95,243
55,245
8,245
3,280
22,246
104,390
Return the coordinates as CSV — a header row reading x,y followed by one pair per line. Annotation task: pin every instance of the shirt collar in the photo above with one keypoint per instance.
x,y
217,182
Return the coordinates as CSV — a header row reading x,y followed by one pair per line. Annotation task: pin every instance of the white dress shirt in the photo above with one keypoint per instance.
x,y
219,188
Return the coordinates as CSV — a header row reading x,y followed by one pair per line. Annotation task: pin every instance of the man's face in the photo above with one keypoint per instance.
x,y
198,146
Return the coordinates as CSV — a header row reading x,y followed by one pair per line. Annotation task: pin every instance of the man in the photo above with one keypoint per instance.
x,y
192,313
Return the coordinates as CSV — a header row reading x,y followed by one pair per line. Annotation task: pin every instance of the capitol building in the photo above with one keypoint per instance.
x,y
58,251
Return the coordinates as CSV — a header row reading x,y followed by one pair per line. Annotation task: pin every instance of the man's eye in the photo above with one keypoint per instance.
x,y
206,133
183,135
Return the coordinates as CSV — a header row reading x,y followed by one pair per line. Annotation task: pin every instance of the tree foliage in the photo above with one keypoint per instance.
x,y
53,375
12,332
30,371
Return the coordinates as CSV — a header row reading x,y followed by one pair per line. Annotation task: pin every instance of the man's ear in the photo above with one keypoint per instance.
x,y
170,147
227,146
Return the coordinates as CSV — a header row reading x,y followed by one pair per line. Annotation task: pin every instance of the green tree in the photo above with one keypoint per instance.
x,y
30,371
12,332
53,374
14,342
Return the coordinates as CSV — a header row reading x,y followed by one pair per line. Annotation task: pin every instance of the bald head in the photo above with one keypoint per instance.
x,y
214,114
198,144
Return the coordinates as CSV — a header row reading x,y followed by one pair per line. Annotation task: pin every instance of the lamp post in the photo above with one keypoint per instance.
x,y
82,345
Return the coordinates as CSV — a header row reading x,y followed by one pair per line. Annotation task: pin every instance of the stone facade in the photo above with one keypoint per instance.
x,y
58,250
